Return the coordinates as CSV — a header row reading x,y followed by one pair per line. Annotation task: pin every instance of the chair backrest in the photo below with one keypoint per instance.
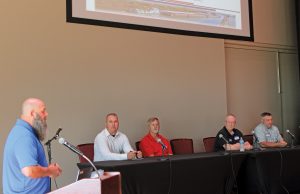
x,y
209,144
182,146
88,150
248,138
137,145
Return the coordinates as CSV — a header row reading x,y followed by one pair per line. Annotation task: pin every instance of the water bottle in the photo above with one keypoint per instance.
x,y
242,147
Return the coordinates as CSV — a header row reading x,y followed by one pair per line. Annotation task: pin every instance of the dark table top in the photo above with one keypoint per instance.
x,y
256,171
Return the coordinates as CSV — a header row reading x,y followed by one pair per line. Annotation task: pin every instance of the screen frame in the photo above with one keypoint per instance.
x,y
297,7
72,19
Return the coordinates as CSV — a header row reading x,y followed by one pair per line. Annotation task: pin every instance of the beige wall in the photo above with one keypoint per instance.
x,y
256,73
252,86
274,22
83,72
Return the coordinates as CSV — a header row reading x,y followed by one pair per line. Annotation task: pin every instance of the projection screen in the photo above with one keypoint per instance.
x,y
228,19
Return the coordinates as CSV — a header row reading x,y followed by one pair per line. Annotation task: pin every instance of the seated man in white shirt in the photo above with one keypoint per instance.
x,y
110,144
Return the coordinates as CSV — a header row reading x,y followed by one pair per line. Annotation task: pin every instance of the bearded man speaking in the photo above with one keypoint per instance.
x,y
25,168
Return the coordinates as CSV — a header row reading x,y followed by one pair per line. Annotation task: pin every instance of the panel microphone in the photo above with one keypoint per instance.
x,y
291,134
222,137
227,146
256,145
161,143
255,137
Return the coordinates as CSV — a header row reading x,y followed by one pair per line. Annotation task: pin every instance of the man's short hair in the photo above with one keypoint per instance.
x,y
150,120
230,115
111,114
265,114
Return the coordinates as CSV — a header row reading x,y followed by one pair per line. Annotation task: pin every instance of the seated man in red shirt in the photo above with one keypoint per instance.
x,y
154,144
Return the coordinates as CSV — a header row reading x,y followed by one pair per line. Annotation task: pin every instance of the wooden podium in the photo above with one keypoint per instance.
x,y
109,183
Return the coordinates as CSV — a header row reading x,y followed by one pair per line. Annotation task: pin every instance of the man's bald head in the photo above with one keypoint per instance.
x,y
34,112
31,104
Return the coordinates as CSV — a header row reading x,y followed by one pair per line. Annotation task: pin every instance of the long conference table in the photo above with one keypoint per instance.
x,y
270,171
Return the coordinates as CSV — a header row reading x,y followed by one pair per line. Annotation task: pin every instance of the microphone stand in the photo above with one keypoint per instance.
x,y
48,145
292,143
227,145
256,145
293,137
163,158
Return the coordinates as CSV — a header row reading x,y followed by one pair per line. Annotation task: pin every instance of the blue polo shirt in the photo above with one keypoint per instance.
x,y
22,149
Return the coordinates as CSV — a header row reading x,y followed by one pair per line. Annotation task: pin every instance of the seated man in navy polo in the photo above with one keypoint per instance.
x,y
268,134
231,134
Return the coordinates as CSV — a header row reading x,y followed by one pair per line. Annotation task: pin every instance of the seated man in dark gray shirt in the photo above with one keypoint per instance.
x,y
231,134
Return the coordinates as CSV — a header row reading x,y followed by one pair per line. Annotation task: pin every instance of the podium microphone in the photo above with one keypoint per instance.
x,y
77,151
70,146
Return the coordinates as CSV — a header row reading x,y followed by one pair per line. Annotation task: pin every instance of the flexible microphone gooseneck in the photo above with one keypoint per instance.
x,y
291,134
77,151
164,147
293,137
255,141
227,143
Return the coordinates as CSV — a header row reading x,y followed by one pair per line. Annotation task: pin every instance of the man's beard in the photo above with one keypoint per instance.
x,y
40,127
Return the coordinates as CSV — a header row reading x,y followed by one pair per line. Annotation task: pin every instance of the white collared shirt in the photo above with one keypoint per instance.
x,y
107,147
